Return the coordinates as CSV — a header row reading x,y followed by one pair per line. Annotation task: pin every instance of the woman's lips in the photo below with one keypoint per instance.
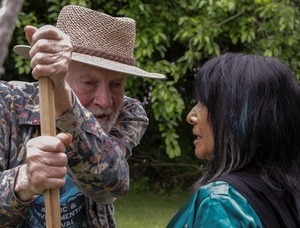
x,y
197,140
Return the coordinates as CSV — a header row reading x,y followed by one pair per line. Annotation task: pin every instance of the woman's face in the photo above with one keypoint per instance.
x,y
204,142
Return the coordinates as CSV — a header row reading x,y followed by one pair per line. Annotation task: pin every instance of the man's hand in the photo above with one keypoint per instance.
x,y
50,53
45,168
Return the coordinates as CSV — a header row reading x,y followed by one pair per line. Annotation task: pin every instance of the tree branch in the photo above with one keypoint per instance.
x,y
8,15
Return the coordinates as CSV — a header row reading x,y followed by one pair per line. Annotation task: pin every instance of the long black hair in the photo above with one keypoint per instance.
x,y
253,105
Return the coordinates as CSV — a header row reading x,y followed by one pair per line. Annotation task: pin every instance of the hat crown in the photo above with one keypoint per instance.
x,y
98,34
98,40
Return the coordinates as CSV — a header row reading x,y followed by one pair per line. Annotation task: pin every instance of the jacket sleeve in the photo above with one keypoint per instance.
x,y
97,160
12,211
131,124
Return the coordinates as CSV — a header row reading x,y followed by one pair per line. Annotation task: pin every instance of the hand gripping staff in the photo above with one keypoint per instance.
x,y
47,113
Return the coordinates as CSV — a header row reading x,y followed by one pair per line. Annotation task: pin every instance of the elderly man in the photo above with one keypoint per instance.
x,y
95,52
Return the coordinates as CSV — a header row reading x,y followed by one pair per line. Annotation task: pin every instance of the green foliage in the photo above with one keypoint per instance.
x,y
175,37
140,185
165,93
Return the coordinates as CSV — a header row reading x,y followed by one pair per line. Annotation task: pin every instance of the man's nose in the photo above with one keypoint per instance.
x,y
103,97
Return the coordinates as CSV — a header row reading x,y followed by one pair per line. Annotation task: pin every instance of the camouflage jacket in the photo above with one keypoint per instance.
x,y
97,162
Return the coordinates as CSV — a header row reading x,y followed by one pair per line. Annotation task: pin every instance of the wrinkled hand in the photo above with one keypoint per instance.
x,y
45,168
50,52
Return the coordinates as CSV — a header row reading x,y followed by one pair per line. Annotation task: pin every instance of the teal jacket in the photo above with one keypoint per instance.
x,y
217,204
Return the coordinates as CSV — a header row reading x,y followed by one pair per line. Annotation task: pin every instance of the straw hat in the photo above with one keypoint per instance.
x,y
98,39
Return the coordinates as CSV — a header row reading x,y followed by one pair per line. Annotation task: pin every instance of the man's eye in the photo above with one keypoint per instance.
x,y
116,84
87,82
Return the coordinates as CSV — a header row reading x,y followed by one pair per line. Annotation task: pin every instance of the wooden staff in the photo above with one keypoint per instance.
x,y
47,112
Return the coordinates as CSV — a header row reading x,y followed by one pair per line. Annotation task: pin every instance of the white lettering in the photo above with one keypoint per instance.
x,y
67,223
41,215
63,209
73,205
71,214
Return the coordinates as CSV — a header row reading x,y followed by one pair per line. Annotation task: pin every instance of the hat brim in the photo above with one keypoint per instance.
x,y
23,50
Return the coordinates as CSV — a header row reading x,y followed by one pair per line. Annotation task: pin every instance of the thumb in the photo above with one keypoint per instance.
x,y
29,31
66,138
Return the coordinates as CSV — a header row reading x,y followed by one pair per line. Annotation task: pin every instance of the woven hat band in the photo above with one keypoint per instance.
x,y
104,54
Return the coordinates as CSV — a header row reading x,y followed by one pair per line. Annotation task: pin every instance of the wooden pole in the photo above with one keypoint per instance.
x,y
47,112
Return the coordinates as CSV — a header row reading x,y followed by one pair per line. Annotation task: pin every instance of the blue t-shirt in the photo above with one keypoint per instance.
x,y
71,208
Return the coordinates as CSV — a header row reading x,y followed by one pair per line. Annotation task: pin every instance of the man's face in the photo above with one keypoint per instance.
x,y
99,90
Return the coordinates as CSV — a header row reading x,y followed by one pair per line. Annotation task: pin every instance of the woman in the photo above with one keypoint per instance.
x,y
247,126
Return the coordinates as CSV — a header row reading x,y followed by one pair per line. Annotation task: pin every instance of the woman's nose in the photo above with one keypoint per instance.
x,y
191,118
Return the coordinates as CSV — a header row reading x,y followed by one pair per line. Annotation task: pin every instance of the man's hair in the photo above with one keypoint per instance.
x,y
253,105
